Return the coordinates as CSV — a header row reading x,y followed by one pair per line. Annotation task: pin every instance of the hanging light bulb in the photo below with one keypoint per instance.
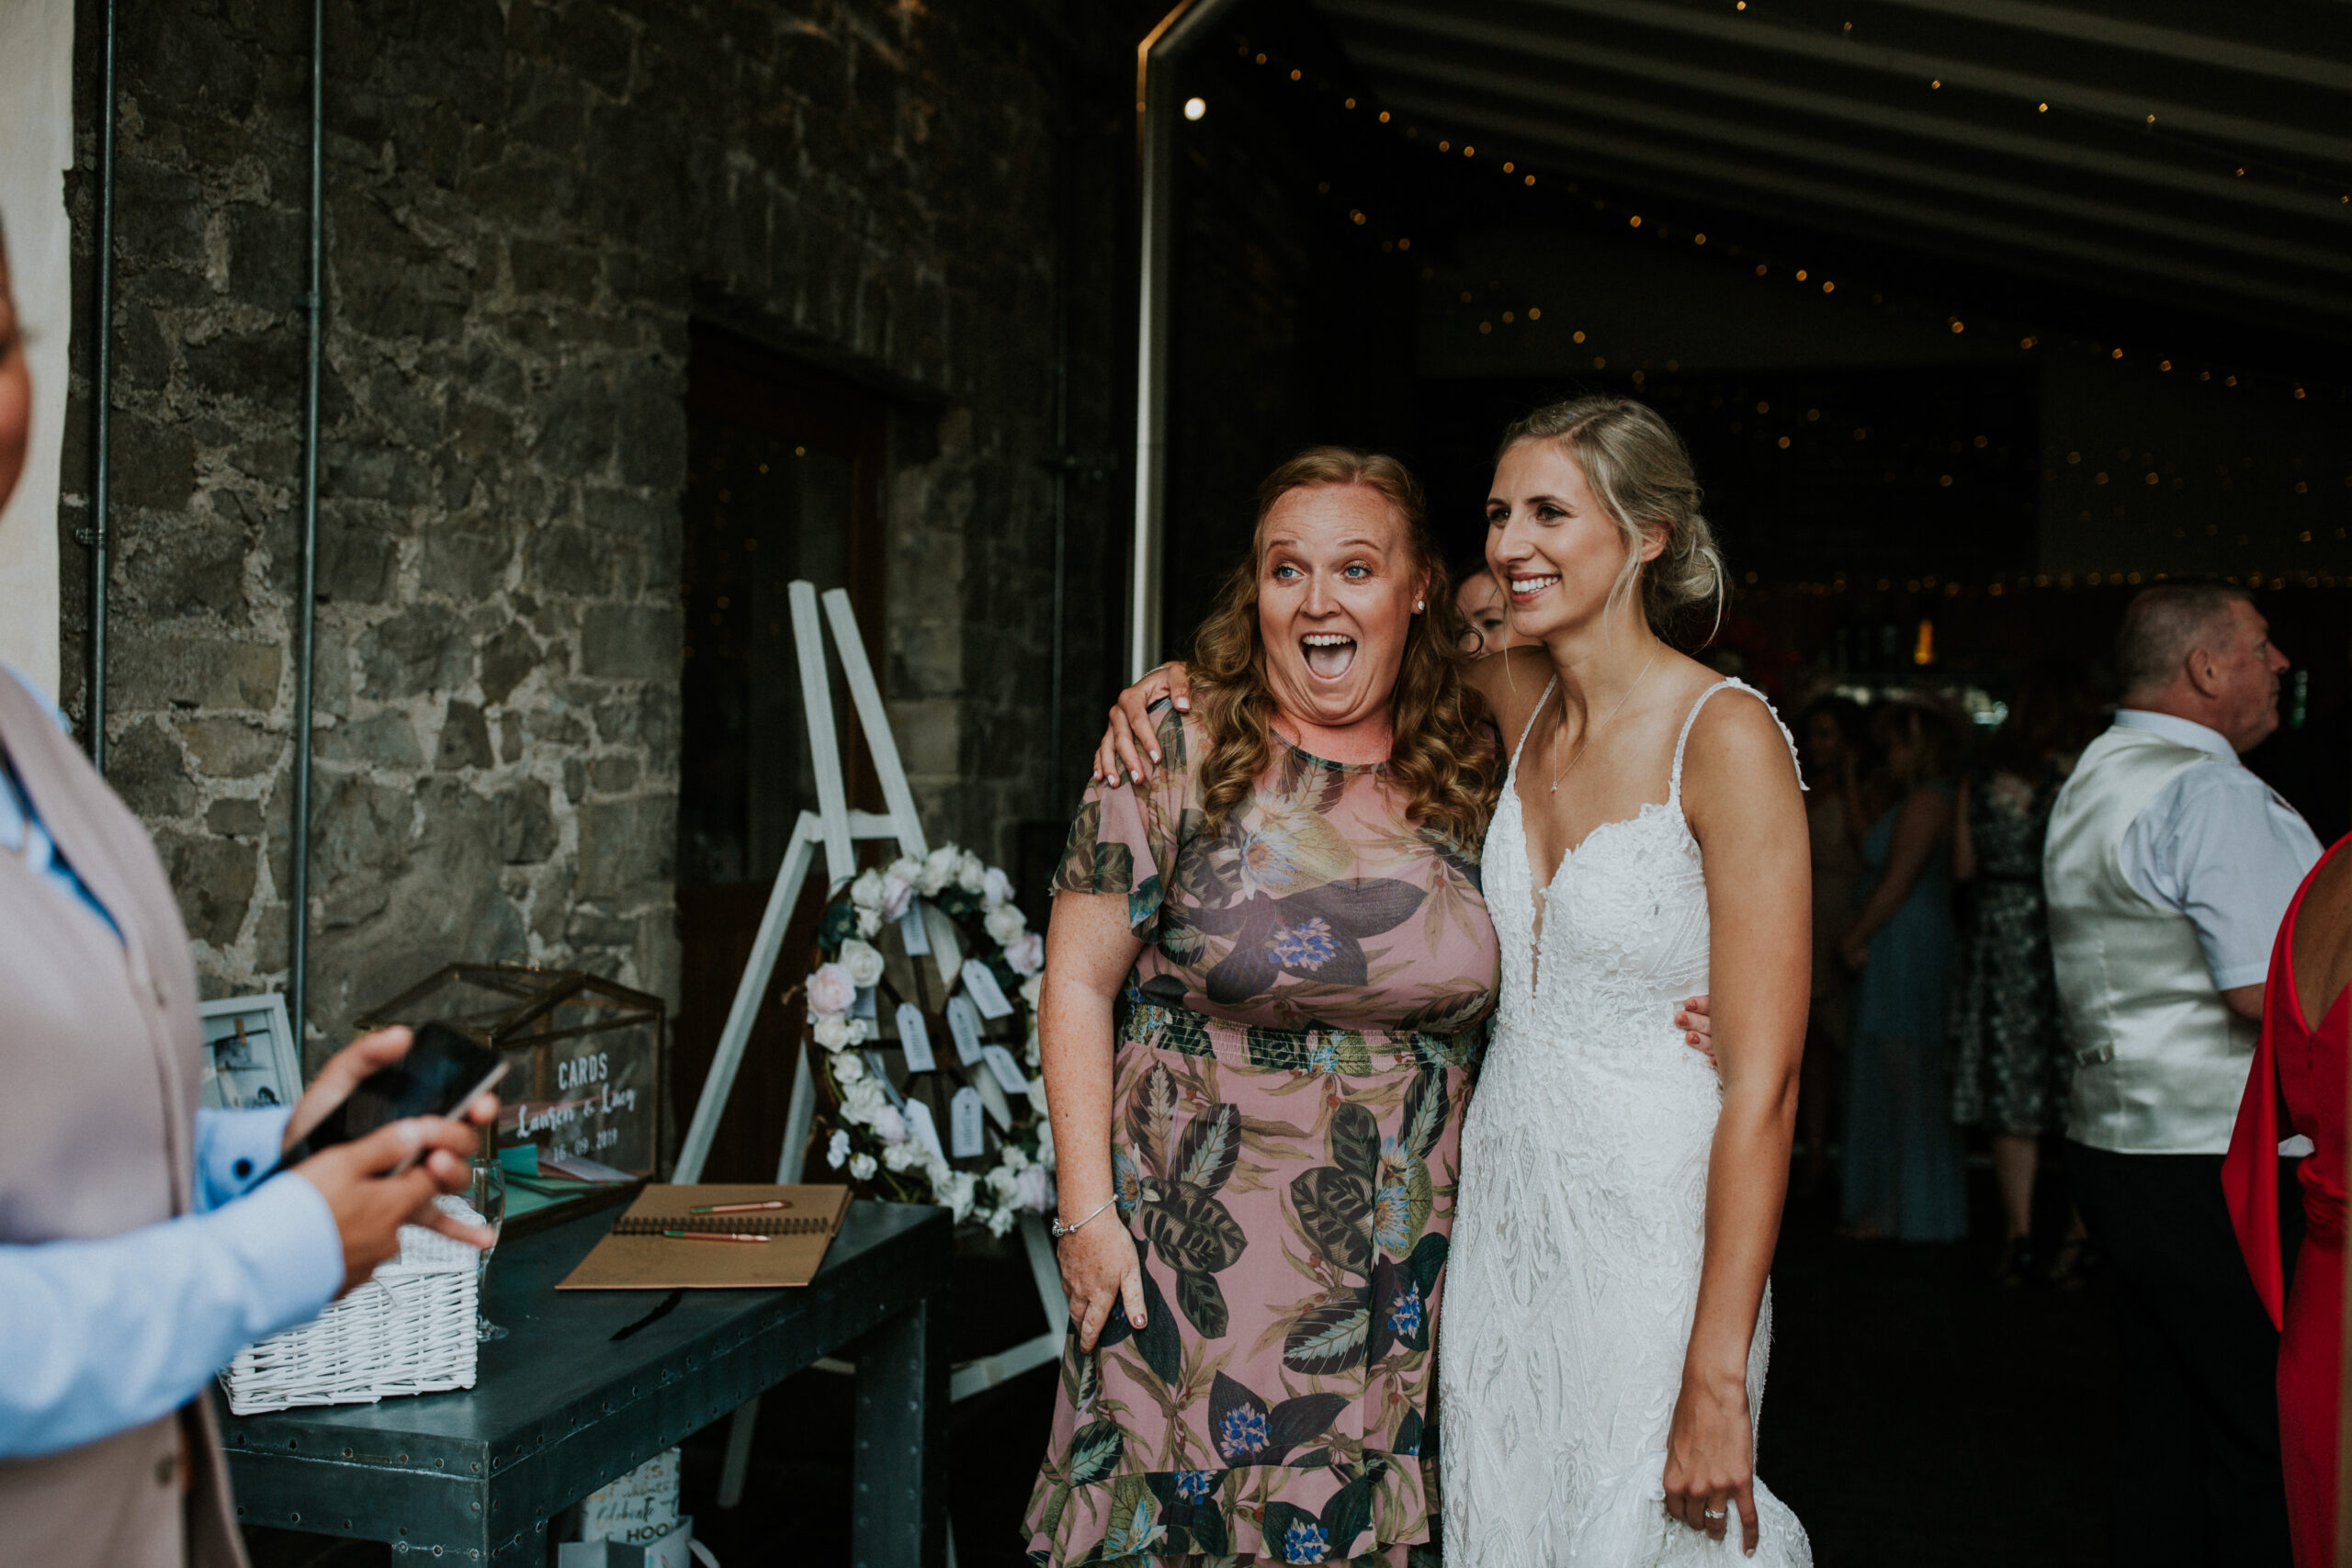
x,y
1195,108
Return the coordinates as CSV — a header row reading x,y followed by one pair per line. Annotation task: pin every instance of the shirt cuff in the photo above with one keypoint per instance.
x,y
235,1150
284,1237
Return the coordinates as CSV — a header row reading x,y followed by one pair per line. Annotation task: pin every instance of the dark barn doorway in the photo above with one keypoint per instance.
x,y
783,482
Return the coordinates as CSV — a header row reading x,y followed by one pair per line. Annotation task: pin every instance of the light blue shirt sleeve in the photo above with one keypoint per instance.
x,y
104,1335
2220,846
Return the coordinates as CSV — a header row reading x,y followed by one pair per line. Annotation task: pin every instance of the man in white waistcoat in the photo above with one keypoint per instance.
x,y
2168,867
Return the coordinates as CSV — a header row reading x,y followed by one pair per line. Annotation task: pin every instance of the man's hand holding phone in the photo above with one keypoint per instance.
x,y
387,1177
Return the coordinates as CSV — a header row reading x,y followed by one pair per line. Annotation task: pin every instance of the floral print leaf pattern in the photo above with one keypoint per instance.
x,y
1304,1419
1315,935
1407,1440
1151,1116
1239,1424
1190,1229
1135,1520
1348,1514
1143,900
1285,847
1204,1303
1294,1535
1383,1307
1425,1108
1095,1452
1402,1200
1355,1140
1211,1145
1336,1209
1330,1337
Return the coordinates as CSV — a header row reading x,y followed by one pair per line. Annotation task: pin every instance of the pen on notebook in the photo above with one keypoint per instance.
x,y
740,1208
712,1235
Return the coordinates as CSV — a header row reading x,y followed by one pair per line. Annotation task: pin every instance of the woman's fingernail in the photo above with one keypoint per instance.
x,y
1185,703
1155,756
1135,776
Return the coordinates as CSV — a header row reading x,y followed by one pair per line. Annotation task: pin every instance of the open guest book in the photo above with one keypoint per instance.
x,y
757,1238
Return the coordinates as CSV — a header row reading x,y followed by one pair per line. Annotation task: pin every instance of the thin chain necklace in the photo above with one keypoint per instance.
x,y
1560,772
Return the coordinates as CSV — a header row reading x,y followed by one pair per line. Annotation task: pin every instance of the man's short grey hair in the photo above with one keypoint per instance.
x,y
2162,624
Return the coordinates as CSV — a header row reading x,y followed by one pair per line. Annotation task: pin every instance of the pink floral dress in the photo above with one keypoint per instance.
x,y
1296,1052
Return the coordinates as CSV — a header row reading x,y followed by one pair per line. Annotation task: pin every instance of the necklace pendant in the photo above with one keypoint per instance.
x,y
1556,787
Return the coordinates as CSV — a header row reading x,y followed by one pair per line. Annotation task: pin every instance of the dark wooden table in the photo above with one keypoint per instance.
x,y
560,1407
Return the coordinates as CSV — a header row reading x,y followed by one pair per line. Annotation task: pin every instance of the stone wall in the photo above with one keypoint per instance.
x,y
528,200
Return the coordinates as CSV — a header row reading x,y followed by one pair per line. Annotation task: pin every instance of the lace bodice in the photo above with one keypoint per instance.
x,y
1581,1223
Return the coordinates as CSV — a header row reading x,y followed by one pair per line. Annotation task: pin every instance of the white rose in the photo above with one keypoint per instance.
x,y
869,922
1014,1160
1037,1193
897,894
861,1166
1045,1128
956,1192
971,872
1005,923
866,891
892,1125
938,870
836,1033
1027,954
903,1154
864,962
1002,1183
863,1102
838,1150
995,886
1001,1220
1032,989
906,868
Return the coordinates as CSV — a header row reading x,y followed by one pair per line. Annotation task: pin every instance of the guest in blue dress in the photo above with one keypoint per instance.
x,y
1902,1174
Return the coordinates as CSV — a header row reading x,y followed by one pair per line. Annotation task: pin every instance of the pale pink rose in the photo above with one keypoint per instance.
x,y
830,989
1035,1190
890,1126
995,886
898,892
1028,955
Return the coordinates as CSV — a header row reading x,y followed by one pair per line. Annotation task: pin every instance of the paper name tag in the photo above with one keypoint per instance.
x,y
918,1116
986,995
965,1025
1006,1070
964,1133
911,930
993,1097
863,1006
914,1039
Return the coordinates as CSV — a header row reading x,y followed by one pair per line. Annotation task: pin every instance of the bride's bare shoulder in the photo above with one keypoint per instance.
x,y
1736,742
1512,681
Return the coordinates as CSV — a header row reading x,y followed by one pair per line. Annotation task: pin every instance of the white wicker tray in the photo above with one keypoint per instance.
x,y
409,1329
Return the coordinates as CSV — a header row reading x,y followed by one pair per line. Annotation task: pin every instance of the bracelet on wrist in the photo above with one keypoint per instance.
x,y
1061,1230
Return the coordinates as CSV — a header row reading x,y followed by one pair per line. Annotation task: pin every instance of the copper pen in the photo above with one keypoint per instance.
x,y
740,1208
713,1236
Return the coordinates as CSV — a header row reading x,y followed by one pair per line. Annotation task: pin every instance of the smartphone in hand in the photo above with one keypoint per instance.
x,y
442,1072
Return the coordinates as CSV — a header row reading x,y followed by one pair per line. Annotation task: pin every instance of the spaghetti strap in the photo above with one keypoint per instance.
x,y
1530,722
1674,793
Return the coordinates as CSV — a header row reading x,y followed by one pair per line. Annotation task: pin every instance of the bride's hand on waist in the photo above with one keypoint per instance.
x,y
1698,1028
1711,1459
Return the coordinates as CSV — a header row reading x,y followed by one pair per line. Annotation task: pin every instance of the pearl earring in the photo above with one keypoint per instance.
x,y
1416,606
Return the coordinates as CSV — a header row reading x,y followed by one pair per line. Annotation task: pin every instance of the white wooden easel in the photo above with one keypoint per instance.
x,y
834,825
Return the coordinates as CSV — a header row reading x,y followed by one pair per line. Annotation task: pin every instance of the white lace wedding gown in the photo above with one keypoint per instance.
x,y
1582,1218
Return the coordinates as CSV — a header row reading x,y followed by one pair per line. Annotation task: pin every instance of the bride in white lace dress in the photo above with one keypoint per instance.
x,y
1602,1347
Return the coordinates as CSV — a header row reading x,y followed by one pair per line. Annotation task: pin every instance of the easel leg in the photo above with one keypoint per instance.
x,y
739,1452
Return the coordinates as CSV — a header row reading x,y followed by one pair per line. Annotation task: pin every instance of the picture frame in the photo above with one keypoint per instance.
x,y
251,1062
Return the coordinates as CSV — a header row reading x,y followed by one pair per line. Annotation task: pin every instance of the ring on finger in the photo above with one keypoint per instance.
x,y
1715,1513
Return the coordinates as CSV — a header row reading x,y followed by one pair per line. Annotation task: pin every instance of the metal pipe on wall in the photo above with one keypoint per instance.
x,y
94,684
1157,119
306,605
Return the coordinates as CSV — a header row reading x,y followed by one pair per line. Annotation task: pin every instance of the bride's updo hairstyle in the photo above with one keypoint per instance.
x,y
1441,762
1639,470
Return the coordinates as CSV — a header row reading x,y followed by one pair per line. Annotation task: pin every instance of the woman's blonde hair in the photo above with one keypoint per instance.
x,y
1441,759
1640,471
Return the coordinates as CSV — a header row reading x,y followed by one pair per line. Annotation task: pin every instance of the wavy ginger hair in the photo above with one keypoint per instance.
x,y
1441,761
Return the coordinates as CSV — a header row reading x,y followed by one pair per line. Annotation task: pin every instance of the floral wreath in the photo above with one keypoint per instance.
x,y
873,1136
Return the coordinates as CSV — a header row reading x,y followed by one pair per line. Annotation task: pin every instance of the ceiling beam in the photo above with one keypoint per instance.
x,y
1845,156
1779,93
1737,32
1736,183
2197,49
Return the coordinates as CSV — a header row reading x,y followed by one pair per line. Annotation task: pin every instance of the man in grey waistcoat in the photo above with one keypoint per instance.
x,y
2168,867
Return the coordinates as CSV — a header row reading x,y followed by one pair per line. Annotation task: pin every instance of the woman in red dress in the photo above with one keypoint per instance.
x,y
2297,1084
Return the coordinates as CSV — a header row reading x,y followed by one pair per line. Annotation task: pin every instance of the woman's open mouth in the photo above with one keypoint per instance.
x,y
1328,654
1524,589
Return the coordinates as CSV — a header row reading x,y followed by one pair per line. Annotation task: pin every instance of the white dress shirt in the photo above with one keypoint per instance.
x,y
2221,847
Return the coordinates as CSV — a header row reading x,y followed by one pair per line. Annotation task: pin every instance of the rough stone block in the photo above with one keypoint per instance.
x,y
631,642
153,464
564,561
464,565
507,660
613,776
576,426
233,817
213,879
147,769
527,827
927,732
626,848
386,739
465,739
423,649
268,256
361,831
196,672
232,748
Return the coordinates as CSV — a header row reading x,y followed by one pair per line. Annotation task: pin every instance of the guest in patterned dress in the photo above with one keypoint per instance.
x,y
1270,971
2011,1066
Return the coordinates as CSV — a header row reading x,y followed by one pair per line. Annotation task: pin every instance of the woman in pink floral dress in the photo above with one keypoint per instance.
x,y
1270,970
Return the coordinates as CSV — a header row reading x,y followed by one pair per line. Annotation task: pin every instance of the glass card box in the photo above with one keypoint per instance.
x,y
583,1113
